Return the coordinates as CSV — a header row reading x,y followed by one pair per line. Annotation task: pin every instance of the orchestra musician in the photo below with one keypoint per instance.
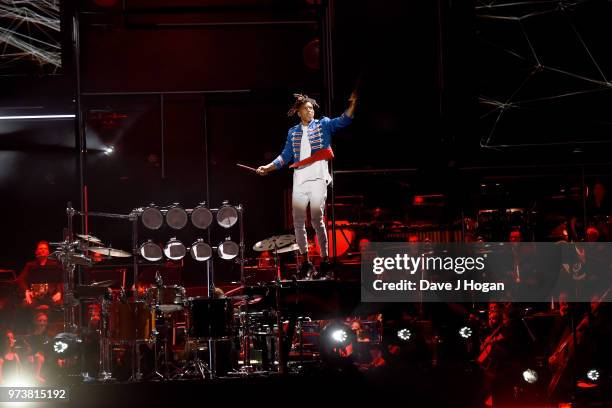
x,y
41,279
37,342
506,352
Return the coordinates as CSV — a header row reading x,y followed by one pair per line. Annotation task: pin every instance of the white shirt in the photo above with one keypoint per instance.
x,y
318,170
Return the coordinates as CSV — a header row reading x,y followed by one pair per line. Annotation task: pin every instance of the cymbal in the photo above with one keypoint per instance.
x,y
290,248
77,259
103,284
80,259
114,253
89,238
277,241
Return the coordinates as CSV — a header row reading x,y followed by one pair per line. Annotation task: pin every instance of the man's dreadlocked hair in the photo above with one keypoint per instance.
x,y
299,101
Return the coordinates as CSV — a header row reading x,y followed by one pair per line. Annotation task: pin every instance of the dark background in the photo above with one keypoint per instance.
x,y
185,89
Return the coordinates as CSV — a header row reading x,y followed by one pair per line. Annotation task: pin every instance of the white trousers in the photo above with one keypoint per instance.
x,y
315,193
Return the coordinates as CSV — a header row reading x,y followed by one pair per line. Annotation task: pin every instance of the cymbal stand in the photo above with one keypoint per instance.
x,y
157,373
277,262
194,367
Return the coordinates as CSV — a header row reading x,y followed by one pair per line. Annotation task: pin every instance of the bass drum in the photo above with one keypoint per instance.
x,y
130,321
210,318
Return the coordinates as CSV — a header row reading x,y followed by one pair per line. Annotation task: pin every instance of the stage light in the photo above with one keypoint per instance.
x,y
227,215
404,334
200,251
339,335
465,332
201,217
176,217
60,346
228,250
151,251
335,340
66,344
17,381
37,117
530,376
593,375
109,150
152,217
175,250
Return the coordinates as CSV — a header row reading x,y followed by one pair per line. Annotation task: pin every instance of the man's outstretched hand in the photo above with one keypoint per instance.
x,y
350,111
263,170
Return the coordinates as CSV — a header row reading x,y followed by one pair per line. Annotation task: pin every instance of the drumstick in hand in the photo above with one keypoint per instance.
x,y
246,167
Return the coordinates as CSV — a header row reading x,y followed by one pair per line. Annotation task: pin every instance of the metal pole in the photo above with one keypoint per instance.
x,y
328,85
282,365
134,218
161,117
79,125
240,215
68,272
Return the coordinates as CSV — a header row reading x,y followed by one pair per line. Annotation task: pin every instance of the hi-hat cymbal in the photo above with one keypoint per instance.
x,y
89,238
114,253
277,241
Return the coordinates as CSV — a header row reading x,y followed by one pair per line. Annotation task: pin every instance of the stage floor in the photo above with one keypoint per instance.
x,y
441,387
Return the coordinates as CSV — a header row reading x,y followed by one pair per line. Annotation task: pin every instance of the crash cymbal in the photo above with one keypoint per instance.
x,y
113,253
89,238
277,241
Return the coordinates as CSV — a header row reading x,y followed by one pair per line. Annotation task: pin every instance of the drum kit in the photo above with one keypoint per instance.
x,y
139,320
136,320
151,318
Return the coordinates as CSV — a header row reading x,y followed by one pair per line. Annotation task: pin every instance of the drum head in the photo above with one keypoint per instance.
x,y
176,218
227,216
175,250
201,217
228,250
152,218
151,252
201,251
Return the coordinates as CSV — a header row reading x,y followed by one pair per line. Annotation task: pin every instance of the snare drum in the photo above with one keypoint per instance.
x,y
167,299
210,318
130,321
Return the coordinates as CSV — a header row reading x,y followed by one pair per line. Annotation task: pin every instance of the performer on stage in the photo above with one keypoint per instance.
x,y
310,140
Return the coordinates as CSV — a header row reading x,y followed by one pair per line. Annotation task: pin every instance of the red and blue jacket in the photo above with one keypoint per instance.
x,y
319,135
